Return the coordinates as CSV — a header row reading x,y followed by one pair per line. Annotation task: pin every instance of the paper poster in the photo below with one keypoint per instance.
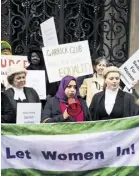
x,y
49,34
37,80
130,70
68,59
28,113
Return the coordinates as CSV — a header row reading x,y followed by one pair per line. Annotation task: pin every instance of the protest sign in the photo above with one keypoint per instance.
x,y
68,59
130,70
37,80
28,113
49,32
108,147
8,60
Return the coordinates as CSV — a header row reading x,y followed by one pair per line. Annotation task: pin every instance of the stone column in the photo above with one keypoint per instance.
x,y
134,27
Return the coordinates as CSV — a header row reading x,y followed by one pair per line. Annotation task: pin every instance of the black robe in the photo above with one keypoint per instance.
x,y
9,105
123,99
52,112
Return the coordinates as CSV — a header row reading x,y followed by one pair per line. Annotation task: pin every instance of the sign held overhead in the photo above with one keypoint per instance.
x,y
68,59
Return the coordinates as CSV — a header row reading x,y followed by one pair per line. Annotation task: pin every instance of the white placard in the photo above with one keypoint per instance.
x,y
68,59
49,34
8,60
37,80
130,70
28,113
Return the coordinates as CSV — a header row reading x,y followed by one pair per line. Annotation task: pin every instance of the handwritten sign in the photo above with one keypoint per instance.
x,y
28,113
130,70
49,32
8,60
68,59
33,80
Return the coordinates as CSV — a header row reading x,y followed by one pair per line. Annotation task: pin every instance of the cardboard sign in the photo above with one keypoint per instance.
x,y
49,32
37,80
8,60
68,59
130,70
28,113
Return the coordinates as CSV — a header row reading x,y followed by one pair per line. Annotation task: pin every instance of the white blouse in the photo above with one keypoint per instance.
x,y
19,94
110,97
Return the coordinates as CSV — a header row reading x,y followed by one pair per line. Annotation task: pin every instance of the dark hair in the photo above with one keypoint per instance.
x,y
38,51
98,60
11,79
110,64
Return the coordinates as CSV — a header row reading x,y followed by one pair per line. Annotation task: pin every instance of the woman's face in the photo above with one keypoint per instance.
x,y
112,80
35,59
70,90
6,51
19,80
100,67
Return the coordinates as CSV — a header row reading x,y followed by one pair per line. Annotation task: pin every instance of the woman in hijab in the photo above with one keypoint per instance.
x,y
56,108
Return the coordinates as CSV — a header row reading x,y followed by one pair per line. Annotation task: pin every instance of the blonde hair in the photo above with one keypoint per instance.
x,y
111,69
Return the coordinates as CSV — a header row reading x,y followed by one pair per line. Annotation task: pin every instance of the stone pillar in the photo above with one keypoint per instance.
x,y
134,27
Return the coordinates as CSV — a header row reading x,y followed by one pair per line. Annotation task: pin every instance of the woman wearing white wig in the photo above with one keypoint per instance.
x,y
18,93
112,102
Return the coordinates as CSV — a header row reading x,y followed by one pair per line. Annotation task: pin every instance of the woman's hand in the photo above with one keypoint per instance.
x,y
137,102
134,83
66,115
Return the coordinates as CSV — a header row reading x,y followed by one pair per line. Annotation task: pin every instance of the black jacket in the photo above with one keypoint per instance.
x,y
6,109
53,114
9,105
129,107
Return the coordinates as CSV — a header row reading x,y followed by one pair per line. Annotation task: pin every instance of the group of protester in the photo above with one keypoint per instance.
x,y
98,97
